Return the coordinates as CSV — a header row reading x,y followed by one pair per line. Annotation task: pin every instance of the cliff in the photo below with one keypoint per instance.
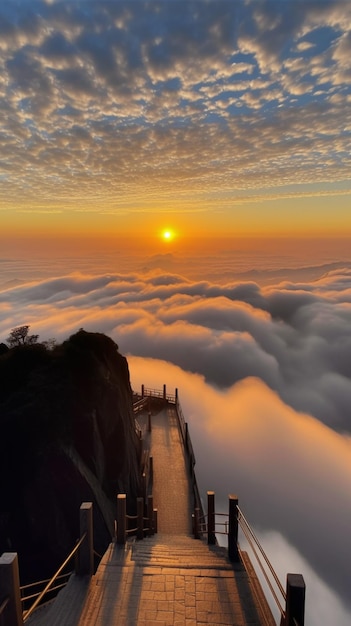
x,y
67,436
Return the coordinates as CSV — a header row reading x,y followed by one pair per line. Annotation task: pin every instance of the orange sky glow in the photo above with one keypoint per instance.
x,y
126,120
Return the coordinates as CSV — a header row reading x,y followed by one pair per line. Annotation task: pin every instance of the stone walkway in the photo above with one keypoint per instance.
x,y
162,581
171,488
169,579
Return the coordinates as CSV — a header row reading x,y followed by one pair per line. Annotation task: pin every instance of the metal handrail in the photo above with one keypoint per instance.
x,y
157,393
41,582
251,543
242,517
35,595
29,612
252,540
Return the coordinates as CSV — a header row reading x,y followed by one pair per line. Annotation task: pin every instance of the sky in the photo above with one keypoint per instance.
x,y
226,124
208,118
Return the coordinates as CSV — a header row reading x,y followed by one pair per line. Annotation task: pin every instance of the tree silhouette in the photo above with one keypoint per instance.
x,y
19,337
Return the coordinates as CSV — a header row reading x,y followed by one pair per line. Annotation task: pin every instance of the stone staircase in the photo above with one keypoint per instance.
x,y
181,552
167,580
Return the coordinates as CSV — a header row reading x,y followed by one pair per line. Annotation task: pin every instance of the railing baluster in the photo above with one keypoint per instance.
x,y
86,553
211,536
10,588
233,552
197,523
121,518
150,514
295,600
140,516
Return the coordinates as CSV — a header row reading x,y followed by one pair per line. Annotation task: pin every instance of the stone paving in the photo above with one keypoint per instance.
x,y
137,587
169,579
171,488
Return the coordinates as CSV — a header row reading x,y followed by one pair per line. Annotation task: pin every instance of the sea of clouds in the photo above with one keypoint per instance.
x,y
264,375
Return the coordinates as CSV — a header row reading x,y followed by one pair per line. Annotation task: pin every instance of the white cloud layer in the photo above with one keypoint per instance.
x,y
264,375
291,474
295,337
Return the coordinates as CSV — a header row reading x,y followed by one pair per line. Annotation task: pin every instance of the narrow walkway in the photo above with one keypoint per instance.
x,y
171,489
158,582
169,579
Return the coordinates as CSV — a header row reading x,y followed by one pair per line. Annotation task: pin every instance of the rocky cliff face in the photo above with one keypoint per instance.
x,y
67,435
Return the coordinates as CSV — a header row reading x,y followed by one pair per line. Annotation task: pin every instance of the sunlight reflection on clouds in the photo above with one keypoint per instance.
x,y
264,374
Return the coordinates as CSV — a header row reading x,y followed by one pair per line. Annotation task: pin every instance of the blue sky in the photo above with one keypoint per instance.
x,y
116,111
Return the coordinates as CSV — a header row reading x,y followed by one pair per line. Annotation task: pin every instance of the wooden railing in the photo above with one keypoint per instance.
x,y
144,523
293,597
188,446
143,403
11,613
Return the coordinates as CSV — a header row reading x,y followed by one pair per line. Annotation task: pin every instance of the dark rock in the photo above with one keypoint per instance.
x,y
67,436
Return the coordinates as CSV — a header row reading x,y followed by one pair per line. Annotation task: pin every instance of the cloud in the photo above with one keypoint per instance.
x,y
264,376
322,605
295,337
291,472
121,72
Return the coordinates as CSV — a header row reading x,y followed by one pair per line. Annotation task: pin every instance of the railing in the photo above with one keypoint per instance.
x,y
293,597
26,588
158,394
183,426
10,590
52,580
144,525
143,402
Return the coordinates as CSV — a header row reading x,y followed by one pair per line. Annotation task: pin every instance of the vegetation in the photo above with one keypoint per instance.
x,y
19,337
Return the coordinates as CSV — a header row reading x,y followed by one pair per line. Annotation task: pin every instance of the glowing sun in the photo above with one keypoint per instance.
x,y
167,235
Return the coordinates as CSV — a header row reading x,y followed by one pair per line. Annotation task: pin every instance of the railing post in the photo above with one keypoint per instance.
x,y
121,518
142,391
233,552
155,520
295,600
164,392
143,483
176,395
140,520
211,537
86,551
10,588
150,511
151,469
197,523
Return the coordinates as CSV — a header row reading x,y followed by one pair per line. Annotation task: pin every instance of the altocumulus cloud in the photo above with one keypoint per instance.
x,y
265,379
103,90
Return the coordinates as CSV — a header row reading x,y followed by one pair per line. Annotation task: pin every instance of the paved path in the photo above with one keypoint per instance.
x,y
171,489
162,581
169,579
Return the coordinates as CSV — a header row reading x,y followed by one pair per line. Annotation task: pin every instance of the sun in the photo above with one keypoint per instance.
x,y
167,235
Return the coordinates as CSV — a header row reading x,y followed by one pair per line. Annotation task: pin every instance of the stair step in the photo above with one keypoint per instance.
x,y
181,552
